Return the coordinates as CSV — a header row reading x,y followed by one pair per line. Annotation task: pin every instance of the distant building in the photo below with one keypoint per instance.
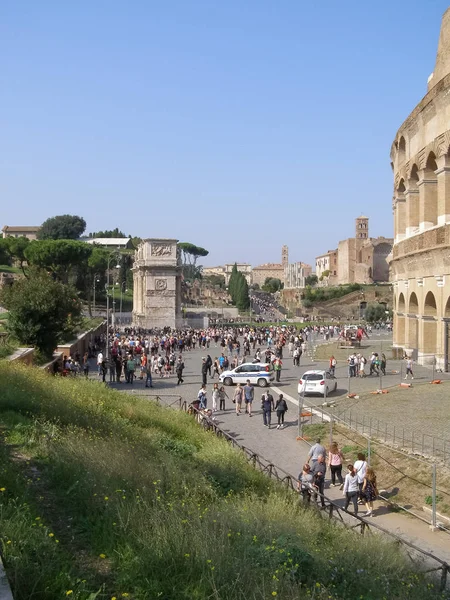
x,y
29,232
244,268
208,271
271,270
120,243
326,268
295,275
363,259
360,259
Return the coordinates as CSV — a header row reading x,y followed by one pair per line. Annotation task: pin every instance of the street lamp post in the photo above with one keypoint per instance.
x,y
95,281
107,302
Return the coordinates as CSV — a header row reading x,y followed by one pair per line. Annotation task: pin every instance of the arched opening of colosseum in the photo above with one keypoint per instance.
x,y
401,150
430,309
428,200
400,336
447,309
429,326
412,203
413,330
400,210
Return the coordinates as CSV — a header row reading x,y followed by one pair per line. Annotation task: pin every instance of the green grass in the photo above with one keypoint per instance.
x,y
104,495
8,269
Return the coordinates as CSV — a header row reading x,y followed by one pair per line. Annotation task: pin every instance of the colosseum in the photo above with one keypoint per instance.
x,y
420,261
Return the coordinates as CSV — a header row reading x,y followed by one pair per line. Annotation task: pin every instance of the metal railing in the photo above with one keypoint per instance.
x,y
332,509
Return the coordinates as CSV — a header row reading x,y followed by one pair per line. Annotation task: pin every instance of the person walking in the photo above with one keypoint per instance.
x,y
249,393
360,467
277,364
409,364
215,397
216,368
383,362
148,374
202,398
296,356
333,363
315,450
306,483
209,363
237,398
222,396
99,362
267,406
369,490
281,408
318,471
335,460
204,370
179,368
119,365
86,365
131,366
351,489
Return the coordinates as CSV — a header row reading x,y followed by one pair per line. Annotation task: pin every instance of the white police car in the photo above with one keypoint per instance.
x,y
260,374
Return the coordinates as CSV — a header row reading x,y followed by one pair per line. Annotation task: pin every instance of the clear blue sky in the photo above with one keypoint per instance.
x,y
237,125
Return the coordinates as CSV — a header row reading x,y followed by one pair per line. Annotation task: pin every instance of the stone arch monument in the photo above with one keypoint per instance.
x,y
157,284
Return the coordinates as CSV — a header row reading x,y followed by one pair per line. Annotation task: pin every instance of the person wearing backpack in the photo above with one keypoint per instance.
x,y
179,370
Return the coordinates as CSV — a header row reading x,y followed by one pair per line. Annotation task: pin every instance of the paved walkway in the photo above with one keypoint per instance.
x,y
280,446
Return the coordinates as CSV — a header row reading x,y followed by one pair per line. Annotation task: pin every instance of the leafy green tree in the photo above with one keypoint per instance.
x,y
232,282
62,227
60,257
311,280
109,233
215,280
242,297
375,313
272,285
16,248
42,312
5,256
190,253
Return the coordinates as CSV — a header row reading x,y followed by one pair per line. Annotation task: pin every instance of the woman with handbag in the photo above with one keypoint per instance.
x,y
369,491
237,398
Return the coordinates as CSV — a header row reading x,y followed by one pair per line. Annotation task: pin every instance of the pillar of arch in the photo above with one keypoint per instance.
x,y
413,322
399,326
429,326
412,202
443,189
428,194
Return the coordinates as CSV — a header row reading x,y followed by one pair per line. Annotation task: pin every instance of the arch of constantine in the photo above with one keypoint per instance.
x,y
157,284
420,260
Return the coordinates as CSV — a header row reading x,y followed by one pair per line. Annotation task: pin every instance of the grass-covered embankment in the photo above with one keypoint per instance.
x,y
107,496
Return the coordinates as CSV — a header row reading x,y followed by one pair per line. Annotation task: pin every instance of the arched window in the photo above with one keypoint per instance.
x,y
413,308
430,309
401,303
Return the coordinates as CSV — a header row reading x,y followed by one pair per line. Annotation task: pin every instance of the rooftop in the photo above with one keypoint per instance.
x,y
19,228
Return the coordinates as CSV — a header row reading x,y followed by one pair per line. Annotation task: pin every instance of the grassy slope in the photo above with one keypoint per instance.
x,y
101,492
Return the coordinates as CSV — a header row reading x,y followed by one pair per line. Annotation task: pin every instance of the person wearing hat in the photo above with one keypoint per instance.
x,y
315,451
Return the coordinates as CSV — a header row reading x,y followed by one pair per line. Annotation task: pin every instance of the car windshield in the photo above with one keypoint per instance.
x,y
312,376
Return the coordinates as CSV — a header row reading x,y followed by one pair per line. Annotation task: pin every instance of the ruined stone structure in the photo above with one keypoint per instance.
x,y
157,284
420,262
295,275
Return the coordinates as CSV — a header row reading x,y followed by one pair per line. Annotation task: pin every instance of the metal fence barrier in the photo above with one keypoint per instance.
x,y
332,510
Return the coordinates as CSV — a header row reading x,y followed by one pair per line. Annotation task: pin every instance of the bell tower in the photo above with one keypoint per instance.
x,y
284,256
362,228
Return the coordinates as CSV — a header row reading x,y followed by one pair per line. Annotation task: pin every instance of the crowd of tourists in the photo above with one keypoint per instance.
x,y
359,487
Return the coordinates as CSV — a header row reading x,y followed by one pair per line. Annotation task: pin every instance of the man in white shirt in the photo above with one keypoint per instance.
x,y
99,362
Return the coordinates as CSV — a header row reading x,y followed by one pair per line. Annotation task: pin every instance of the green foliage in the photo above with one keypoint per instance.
x,y
321,294
215,280
108,233
238,289
190,253
42,312
122,498
62,227
376,312
15,248
60,257
326,273
272,285
311,280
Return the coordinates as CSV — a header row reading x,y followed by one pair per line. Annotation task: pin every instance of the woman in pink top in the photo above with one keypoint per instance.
x,y
335,460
